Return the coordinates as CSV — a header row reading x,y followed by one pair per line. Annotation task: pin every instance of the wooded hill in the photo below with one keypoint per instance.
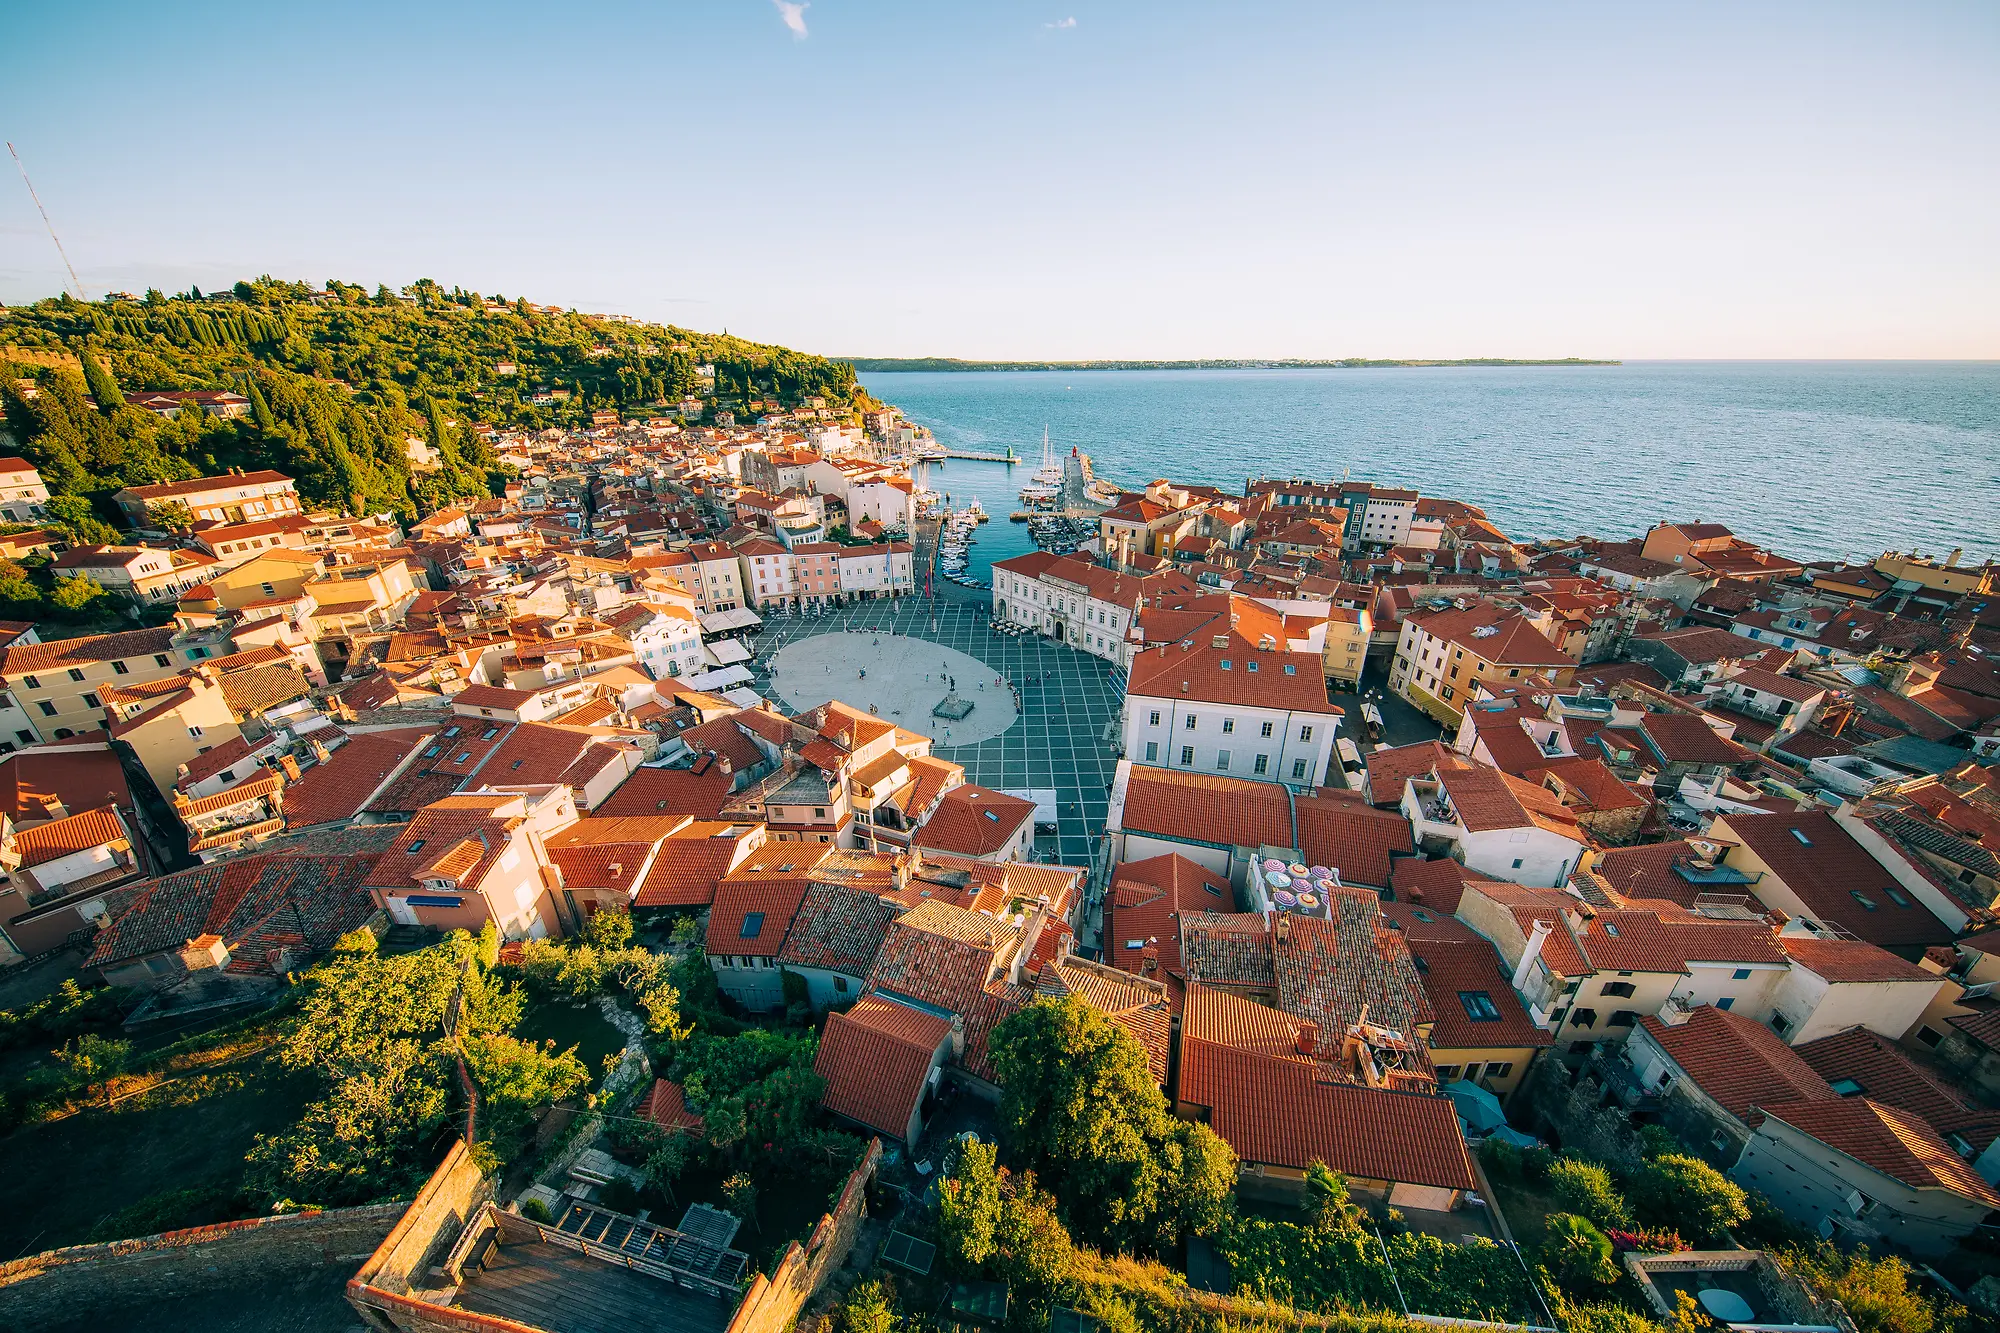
x,y
339,379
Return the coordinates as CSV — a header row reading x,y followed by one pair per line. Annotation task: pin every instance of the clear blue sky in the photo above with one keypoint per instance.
x,y
1050,178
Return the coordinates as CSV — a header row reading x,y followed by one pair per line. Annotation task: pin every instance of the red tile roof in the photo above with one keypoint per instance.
x,y
1237,673
1886,1075
56,654
688,868
1204,808
1823,864
1738,1062
1838,960
1274,1106
1451,969
974,821
840,928
666,1106
338,788
65,837
1684,738
1495,634
751,916
1437,885
1895,1142
1341,830
875,1059
948,957
1144,905
673,791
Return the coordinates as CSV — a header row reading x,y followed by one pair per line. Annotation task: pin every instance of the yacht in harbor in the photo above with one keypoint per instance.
x,y
1046,484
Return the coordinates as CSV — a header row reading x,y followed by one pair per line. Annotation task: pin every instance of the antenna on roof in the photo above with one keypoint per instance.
x,y
74,280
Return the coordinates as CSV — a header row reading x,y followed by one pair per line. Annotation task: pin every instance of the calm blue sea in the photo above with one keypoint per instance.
x,y
1815,459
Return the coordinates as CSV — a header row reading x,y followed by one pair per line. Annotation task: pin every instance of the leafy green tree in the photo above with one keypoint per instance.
x,y
1079,1107
969,1205
1876,1292
1035,1250
91,1059
609,929
1578,1253
1689,1195
73,514
668,1160
372,1028
1586,1189
170,516
740,1193
78,595
516,1079
869,1308
358,941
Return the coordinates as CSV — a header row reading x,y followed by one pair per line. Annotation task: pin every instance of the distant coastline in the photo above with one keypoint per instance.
x,y
882,364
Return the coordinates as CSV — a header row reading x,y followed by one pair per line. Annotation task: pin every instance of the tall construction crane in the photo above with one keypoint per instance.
x,y
75,283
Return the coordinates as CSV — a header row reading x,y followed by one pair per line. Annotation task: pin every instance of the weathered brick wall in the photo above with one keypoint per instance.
x,y
772,1303
124,1274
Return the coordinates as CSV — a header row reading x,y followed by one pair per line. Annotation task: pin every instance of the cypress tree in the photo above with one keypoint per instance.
x,y
102,387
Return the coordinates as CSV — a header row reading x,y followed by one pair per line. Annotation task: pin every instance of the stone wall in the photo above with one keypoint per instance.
x,y
177,1265
429,1227
1576,1113
772,1303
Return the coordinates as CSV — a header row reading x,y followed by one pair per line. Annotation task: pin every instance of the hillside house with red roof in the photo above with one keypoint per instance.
x,y
882,1061
466,860
1278,1090
1806,864
1443,656
1867,1172
1497,824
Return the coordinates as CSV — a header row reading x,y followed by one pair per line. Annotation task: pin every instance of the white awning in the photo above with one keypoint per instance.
x,y
717,681
1043,797
744,697
722,622
726,652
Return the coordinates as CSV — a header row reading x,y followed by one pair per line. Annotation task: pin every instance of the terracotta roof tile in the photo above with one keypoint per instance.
x,y
57,654
1452,969
65,837
1895,1142
1341,830
1738,1062
1278,1109
1838,960
974,821
839,928
1199,807
338,788
1823,864
1888,1076
666,1106
875,1059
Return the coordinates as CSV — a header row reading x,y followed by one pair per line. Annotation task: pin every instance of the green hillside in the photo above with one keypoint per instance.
x,y
339,380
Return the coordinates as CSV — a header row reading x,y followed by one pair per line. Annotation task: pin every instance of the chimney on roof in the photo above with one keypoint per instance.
x,y
53,808
205,953
1308,1038
1536,939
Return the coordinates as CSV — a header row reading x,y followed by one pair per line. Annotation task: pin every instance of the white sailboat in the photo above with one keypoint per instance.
x,y
1047,482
